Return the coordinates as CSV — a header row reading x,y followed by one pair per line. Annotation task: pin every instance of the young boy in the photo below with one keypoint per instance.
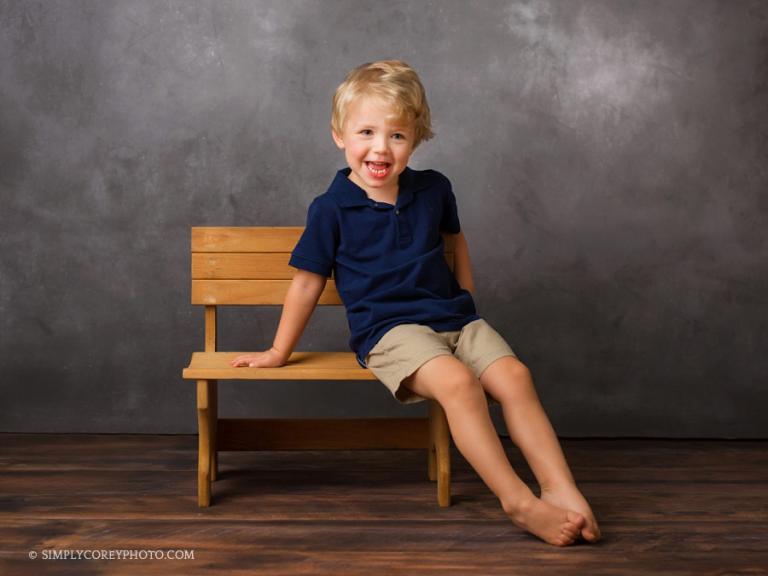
x,y
379,228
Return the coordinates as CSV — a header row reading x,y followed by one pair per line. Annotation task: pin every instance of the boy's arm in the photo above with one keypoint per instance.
x,y
300,302
462,267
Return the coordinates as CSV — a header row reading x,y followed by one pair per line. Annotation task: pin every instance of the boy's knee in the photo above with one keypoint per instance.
x,y
459,381
520,371
512,368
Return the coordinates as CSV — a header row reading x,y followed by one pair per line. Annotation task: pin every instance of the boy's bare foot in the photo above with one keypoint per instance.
x,y
568,496
551,523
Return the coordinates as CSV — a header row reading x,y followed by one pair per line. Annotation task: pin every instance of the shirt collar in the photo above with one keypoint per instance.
x,y
348,194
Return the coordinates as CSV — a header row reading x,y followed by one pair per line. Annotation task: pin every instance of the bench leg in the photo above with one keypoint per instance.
x,y
204,443
431,456
440,441
432,451
213,421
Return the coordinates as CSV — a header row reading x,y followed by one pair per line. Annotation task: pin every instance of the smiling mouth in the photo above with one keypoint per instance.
x,y
378,169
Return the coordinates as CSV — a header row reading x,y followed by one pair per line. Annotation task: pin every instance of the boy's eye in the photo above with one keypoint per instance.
x,y
366,132
398,136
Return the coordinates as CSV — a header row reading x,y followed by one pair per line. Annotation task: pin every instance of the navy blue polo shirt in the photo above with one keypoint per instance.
x,y
387,261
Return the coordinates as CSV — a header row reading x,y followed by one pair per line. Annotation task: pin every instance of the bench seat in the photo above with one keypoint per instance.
x,y
300,366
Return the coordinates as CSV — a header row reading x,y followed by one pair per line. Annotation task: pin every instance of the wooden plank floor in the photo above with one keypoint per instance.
x,y
665,507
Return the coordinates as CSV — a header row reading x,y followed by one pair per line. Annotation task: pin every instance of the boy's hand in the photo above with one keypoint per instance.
x,y
271,358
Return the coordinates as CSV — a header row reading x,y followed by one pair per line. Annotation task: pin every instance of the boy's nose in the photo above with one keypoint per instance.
x,y
380,144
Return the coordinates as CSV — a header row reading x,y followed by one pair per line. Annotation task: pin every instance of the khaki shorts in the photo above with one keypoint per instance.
x,y
406,347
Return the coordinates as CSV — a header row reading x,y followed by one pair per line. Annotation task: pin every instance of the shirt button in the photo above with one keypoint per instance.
x,y
397,212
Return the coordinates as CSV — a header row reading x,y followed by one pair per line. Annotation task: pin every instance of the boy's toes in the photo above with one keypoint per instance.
x,y
570,533
591,533
575,519
565,540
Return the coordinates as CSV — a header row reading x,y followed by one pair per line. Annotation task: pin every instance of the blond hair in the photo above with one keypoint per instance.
x,y
393,81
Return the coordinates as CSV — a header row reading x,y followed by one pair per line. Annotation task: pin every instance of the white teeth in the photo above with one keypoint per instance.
x,y
373,167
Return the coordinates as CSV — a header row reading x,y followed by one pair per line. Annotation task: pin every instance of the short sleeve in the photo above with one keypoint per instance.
x,y
316,249
450,219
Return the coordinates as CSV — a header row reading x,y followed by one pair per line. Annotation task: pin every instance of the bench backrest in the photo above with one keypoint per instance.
x,y
249,265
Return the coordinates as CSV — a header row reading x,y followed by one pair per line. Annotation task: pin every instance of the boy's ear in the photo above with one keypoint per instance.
x,y
336,138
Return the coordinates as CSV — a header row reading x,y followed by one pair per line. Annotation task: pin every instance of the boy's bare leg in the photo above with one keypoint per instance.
x,y
510,382
459,392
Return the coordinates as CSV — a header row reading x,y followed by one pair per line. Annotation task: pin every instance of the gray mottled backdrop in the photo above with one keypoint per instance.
x,y
609,159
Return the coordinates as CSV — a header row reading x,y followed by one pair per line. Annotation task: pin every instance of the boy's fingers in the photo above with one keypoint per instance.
x,y
245,361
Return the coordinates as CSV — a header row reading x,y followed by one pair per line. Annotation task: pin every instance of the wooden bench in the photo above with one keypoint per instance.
x,y
249,266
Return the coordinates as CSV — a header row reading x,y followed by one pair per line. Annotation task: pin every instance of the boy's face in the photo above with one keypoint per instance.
x,y
377,144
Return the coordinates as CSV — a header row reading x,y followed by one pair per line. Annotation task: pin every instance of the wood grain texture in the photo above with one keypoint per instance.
x,y
323,434
666,507
241,266
245,238
250,265
300,366
252,292
256,239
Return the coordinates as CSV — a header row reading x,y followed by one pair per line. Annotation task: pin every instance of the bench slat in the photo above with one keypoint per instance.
x,y
242,292
249,265
255,239
300,366
245,238
325,434
241,266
